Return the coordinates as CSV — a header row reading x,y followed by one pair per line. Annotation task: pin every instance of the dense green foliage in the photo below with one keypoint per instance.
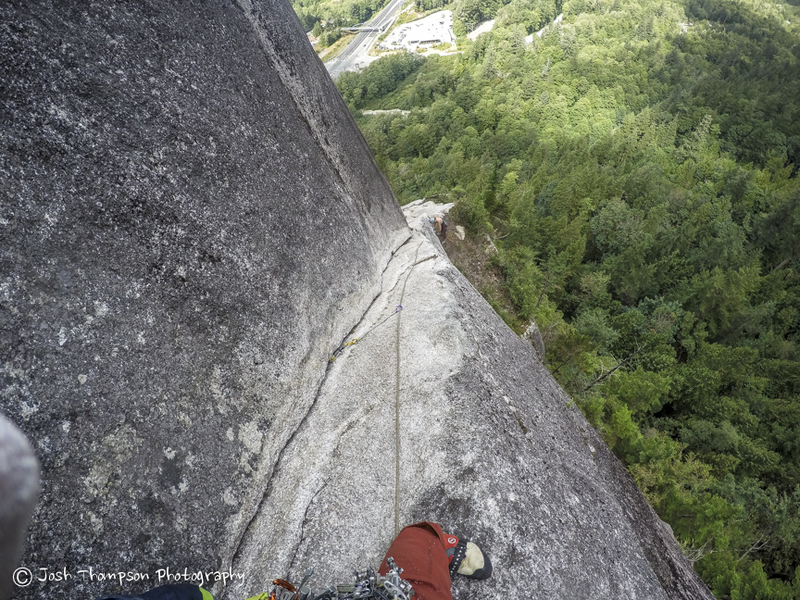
x,y
638,168
335,13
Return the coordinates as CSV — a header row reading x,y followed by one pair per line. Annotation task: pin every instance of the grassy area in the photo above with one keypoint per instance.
x,y
336,48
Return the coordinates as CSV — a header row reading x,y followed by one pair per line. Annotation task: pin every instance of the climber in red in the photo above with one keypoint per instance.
x,y
429,559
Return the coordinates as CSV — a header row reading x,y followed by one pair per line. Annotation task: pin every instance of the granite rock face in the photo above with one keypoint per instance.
x,y
489,445
191,226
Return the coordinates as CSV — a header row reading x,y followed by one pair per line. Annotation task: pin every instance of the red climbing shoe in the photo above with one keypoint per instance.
x,y
466,558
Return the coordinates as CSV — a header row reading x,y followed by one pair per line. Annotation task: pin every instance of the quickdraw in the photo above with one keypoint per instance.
x,y
353,341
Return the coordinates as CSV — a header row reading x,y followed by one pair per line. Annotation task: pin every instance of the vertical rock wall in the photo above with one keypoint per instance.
x,y
190,223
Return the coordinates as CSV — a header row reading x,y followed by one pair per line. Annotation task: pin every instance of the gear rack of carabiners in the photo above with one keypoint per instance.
x,y
368,585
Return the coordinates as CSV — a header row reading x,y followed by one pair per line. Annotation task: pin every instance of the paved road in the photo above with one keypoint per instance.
x,y
354,56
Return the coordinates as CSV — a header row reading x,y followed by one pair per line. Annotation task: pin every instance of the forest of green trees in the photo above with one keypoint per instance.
x,y
332,14
637,167
325,18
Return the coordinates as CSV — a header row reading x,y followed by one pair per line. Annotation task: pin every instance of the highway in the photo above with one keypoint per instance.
x,y
353,57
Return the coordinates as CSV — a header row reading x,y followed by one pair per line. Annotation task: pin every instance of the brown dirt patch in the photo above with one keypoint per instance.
x,y
474,257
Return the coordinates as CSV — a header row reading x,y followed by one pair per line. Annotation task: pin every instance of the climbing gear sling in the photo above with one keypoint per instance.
x,y
368,585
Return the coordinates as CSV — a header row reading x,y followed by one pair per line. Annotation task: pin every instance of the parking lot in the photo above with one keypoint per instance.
x,y
429,31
